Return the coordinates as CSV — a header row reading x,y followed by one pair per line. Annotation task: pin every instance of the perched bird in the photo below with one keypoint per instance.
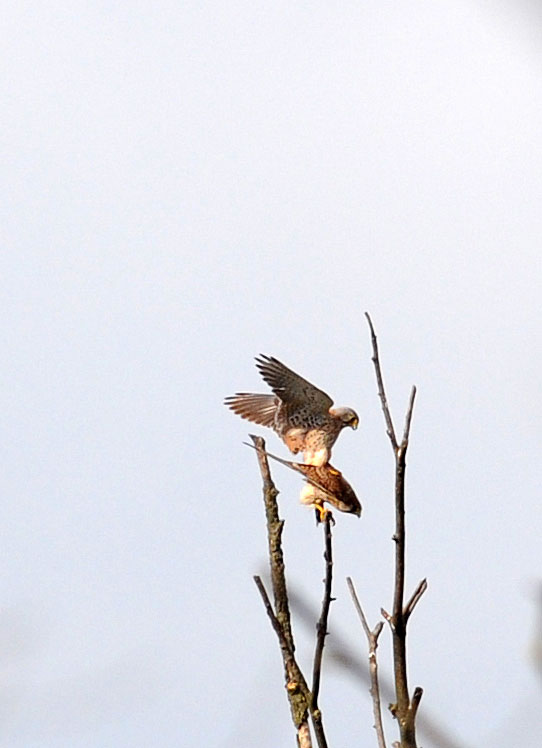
x,y
324,483
300,413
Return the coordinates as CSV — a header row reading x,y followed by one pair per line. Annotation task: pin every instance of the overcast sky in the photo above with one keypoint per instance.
x,y
189,184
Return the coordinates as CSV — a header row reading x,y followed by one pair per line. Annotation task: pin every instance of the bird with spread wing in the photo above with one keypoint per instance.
x,y
300,413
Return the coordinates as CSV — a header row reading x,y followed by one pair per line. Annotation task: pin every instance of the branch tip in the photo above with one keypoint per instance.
x,y
380,383
415,703
408,418
414,599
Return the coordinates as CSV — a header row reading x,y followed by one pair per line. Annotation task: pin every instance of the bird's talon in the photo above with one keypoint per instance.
x,y
322,514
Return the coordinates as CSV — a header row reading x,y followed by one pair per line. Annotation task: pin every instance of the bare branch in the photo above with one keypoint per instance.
x,y
287,653
274,536
357,606
372,640
380,383
397,621
259,446
416,595
340,651
299,695
296,686
416,698
408,418
388,618
321,626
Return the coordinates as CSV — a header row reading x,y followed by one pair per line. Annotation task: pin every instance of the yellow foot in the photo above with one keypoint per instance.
x,y
322,514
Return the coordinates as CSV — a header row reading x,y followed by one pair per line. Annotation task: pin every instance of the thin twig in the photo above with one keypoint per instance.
x,y
321,626
414,599
296,682
408,417
380,383
372,640
357,606
416,698
384,613
287,652
399,629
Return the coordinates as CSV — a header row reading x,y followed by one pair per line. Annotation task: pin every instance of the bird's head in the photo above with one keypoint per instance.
x,y
356,509
348,501
347,416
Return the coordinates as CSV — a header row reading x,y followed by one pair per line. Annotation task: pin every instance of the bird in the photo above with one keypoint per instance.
x,y
324,484
301,414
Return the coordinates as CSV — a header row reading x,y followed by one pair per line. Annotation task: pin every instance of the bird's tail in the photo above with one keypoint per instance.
x,y
288,463
298,467
257,408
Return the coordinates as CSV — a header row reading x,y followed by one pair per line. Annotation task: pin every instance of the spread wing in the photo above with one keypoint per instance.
x,y
292,389
257,408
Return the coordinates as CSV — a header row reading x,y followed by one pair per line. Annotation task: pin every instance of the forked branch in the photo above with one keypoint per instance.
x,y
345,656
372,641
404,709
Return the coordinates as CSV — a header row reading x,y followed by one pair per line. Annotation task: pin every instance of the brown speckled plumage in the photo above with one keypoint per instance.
x,y
324,484
300,413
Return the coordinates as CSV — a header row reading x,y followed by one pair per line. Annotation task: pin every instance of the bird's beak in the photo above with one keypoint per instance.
x,y
354,423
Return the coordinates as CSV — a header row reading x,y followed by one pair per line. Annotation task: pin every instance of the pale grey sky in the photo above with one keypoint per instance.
x,y
187,185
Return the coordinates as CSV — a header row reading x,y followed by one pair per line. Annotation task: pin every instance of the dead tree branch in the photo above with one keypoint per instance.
x,y
404,709
321,626
416,595
296,686
380,384
300,697
274,538
344,656
372,640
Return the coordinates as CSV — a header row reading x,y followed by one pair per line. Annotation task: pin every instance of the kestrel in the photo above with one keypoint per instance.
x,y
324,483
300,413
